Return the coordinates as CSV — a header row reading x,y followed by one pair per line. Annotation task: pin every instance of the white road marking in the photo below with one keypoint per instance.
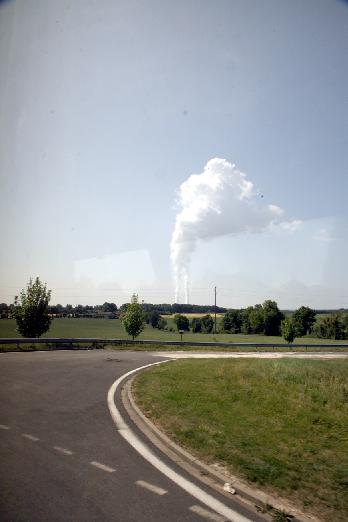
x,y
63,450
102,466
30,437
151,487
191,488
3,427
251,355
209,515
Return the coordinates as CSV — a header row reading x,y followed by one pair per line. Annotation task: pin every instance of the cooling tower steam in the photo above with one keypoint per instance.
x,y
220,200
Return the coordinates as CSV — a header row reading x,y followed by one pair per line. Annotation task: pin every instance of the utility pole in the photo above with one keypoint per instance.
x,y
215,310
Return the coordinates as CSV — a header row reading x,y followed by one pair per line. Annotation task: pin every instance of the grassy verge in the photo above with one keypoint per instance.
x,y
282,425
4,348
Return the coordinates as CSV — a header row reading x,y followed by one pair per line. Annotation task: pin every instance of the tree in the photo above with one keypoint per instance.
x,y
79,310
154,318
257,319
133,319
272,317
196,325
182,322
207,323
304,319
31,309
232,321
252,319
330,327
109,307
344,323
288,330
3,310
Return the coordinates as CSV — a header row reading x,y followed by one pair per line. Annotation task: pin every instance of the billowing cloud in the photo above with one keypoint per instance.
x,y
220,200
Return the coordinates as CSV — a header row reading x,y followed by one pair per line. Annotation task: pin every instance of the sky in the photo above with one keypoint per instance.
x,y
107,107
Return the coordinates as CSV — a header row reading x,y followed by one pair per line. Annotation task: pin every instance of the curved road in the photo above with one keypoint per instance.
x,y
62,458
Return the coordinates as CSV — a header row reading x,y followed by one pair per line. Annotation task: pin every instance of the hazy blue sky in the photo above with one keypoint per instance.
x,y
108,106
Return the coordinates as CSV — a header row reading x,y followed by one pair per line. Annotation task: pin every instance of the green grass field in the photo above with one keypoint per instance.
x,y
282,425
112,328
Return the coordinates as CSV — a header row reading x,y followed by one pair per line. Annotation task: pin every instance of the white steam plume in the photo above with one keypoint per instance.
x,y
218,201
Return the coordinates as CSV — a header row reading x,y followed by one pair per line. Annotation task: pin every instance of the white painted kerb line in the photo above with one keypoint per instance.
x,y
3,427
208,515
151,487
125,431
62,450
102,466
30,437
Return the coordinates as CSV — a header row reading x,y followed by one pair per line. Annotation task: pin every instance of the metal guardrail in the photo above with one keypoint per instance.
x,y
63,342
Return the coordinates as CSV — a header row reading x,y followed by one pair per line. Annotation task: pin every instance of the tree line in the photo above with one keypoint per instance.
x,y
267,319
264,319
32,313
79,310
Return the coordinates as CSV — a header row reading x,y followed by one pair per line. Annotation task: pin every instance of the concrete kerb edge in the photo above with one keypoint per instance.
x,y
207,474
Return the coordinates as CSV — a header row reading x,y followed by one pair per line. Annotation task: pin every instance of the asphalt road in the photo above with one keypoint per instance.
x,y
61,457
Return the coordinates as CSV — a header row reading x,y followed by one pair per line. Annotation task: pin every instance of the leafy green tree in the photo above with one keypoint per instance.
x,y
330,327
79,310
109,307
31,309
288,329
133,318
272,317
232,321
252,319
154,318
245,317
344,322
304,319
182,322
196,325
57,309
207,323
4,310
257,320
